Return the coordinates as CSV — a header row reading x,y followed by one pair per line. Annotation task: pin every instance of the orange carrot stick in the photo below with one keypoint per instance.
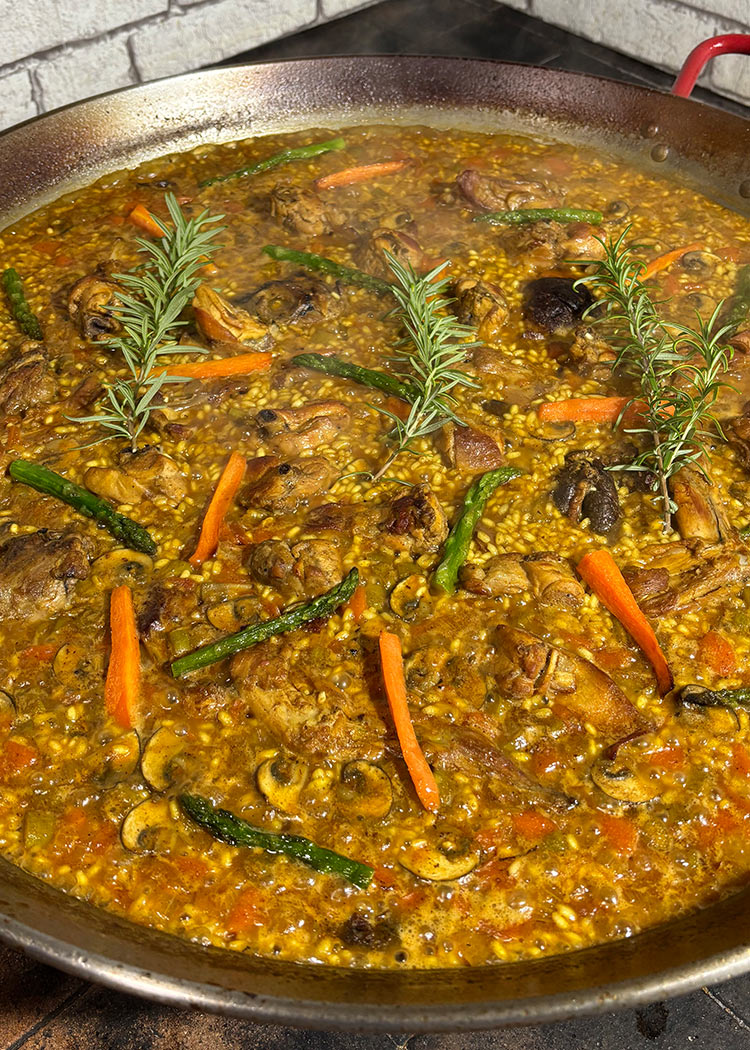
x,y
358,603
395,689
600,572
239,365
661,262
363,173
225,491
582,410
123,684
142,217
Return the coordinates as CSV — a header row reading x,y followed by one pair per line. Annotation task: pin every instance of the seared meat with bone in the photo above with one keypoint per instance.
x,y
554,304
141,475
543,244
401,246
590,355
303,211
281,486
24,379
585,489
91,304
738,436
301,705
549,577
498,193
528,666
471,451
220,321
683,577
698,516
415,522
38,572
293,430
299,570
296,300
481,305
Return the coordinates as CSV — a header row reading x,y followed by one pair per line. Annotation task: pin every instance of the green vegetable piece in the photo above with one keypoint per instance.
x,y
320,264
334,366
85,502
522,216
457,545
702,697
287,155
20,309
226,827
319,608
739,303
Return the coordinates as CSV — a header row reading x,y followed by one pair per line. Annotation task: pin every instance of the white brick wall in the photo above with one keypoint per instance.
x,y
53,52
659,32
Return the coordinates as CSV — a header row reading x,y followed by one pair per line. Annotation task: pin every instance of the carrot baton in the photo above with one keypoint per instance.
x,y
142,217
582,410
599,570
661,262
225,491
218,367
123,684
362,173
392,662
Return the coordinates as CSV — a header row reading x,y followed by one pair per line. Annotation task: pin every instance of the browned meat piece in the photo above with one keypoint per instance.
x,y
498,193
38,572
91,302
686,576
585,489
280,486
401,246
471,451
303,211
302,570
24,380
740,340
220,321
481,305
415,522
528,666
298,300
698,515
549,577
555,303
738,436
589,354
543,244
88,391
293,430
299,702
142,475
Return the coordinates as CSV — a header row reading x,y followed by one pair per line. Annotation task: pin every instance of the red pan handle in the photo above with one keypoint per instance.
x,y
729,44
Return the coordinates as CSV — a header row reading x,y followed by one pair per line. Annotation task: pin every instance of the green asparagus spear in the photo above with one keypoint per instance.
x,y
703,697
287,155
319,263
457,545
226,827
525,215
18,306
334,366
739,303
46,481
321,607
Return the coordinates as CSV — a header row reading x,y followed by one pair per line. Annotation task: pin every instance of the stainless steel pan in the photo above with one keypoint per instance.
x,y
661,133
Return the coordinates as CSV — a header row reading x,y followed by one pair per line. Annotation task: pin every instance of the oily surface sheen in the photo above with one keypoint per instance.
x,y
517,684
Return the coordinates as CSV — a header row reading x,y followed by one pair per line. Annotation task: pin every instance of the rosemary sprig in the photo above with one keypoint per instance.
x,y
154,295
677,370
437,343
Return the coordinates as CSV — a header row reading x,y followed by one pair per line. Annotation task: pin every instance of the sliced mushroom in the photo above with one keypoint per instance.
x,y
72,664
700,263
230,615
550,432
620,782
365,790
713,721
410,597
447,856
147,828
280,780
122,564
159,754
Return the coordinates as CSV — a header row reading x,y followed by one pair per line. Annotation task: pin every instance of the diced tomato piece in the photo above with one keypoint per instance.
x,y
532,825
43,654
516,932
385,877
621,833
612,659
741,760
48,247
496,872
193,871
247,911
411,900
717,653
15,757
668,758
545,760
